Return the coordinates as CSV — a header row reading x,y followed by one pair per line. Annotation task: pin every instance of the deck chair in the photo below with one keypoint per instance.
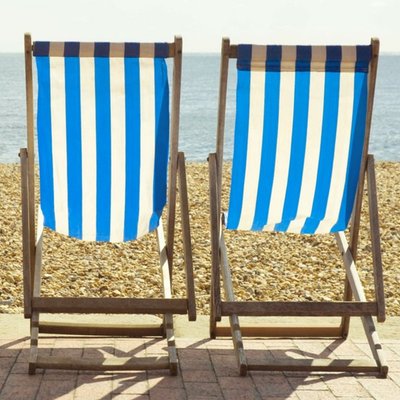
x,y
103,139
303,117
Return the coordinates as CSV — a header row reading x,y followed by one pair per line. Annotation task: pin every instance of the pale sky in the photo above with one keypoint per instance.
x,y
203,23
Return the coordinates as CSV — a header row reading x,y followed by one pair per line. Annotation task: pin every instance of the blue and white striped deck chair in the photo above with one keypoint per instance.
x,y
103,125
303,116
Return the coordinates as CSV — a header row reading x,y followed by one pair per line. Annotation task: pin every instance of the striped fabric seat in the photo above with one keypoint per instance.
x,y
299,137
103,134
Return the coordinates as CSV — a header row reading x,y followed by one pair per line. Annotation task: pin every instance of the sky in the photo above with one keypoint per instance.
x,y
203,23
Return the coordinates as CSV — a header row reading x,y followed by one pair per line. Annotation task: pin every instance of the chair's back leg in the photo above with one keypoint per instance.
x,y
375,239
359,295
167,291
26,234
233,319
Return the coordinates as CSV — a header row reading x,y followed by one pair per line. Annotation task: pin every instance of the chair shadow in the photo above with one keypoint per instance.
x,y
57,383
198,355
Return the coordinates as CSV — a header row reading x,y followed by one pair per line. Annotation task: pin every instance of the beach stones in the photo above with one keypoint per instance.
x,y
265,266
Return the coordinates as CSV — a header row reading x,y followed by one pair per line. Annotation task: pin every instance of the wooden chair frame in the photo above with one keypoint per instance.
x,y
353,287
34,304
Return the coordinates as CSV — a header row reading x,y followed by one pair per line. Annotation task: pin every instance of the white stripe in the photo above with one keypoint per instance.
x,y
284,141
339,168
59,143
117,94
147,143
311,156
254,147
88,132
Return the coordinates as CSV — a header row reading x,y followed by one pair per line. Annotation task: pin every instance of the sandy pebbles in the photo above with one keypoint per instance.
x,y
265,266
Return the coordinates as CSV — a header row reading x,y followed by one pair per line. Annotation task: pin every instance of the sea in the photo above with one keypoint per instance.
x,y
199,105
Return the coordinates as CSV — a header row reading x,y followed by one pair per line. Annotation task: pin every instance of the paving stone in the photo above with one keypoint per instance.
x,y
384,389
56,389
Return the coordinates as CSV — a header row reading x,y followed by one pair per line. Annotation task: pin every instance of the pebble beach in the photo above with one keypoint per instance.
x,y
269,266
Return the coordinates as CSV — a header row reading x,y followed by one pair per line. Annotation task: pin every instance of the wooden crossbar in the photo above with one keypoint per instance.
x,y
282,331
101,329
316,364
106,364
87,305
301,309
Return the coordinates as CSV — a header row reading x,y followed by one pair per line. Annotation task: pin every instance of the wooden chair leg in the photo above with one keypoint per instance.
x,y
172,355
26,246
345,322
187,246
33,354
375,345
359,295
215,292
233,319
168,318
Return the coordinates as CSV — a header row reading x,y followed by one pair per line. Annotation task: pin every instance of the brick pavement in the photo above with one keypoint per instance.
x,y
207,371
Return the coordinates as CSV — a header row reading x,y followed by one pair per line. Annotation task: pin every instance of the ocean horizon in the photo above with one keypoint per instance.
x,y
199,107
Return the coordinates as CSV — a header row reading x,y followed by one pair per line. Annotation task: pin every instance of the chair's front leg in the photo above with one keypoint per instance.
x,y
187,245
215,304
26,239
375,238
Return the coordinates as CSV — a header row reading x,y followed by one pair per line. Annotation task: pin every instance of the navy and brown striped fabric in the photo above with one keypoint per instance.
x,y
103,134
299,136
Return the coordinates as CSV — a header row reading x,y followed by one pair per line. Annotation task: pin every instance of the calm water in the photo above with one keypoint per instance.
x,y
199,99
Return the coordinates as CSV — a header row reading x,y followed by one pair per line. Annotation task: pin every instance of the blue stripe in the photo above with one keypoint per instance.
x,y
41,49
244,57
364,56
355,150
333,58
161,50
71,49
268,152
45,142
274,56
327,150
132,173
74,146
240,148
103,147
299,138
102,49
132,49
161,140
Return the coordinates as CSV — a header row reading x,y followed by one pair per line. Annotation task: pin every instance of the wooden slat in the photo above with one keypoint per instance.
x,y
375,344
214,226
371,91
116,49
172,355
33,353
283,331
167,291
375,239
233,319
31,152
321,365
223,85
164,267
355,223
359,295
106,364
187,243
351,270
87,305
286,308
25,234
101,329
175,111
